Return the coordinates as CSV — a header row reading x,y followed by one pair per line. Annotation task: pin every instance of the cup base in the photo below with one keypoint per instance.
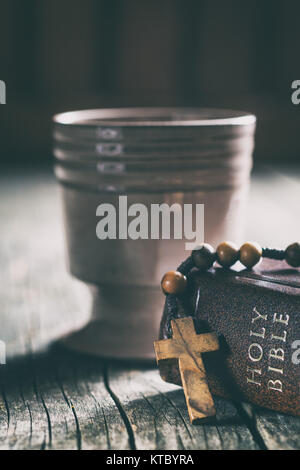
x,y
124,324
91,340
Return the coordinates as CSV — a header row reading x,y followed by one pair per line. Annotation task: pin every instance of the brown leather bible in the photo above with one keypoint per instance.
x,y
256,315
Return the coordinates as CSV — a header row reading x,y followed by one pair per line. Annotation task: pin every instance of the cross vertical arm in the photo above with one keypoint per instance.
x,y
198,398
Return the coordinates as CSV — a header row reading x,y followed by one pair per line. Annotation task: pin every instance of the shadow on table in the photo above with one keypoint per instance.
x,y
57,369
57,363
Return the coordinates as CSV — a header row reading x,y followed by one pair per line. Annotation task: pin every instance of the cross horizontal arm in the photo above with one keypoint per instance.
x,y
168,349
184,332
207,342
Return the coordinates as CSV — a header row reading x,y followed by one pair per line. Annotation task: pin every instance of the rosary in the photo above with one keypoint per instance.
x,y
184,345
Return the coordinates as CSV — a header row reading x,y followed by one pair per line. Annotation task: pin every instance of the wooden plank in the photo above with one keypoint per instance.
x,y
30,418
16,426
99,423
58,400
157,414
278,431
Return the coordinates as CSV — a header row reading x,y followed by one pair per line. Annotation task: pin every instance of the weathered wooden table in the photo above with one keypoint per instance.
x,y
53,399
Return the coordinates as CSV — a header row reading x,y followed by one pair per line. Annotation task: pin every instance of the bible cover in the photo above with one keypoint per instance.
x,y
256,315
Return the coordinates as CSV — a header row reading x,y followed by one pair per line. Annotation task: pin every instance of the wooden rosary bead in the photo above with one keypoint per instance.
x,y
292,255
250,254
173,282
203,256
227,254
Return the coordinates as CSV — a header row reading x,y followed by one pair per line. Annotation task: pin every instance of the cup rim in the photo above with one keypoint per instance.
x,y
154,117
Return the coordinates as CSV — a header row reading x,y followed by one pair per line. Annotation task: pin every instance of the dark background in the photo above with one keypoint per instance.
x,y
58,55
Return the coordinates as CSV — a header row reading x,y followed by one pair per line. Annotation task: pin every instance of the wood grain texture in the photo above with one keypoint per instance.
x,y
279,432
54,399
58,400
159,417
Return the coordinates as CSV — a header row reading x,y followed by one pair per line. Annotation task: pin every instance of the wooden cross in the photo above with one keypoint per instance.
x,y
187,347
